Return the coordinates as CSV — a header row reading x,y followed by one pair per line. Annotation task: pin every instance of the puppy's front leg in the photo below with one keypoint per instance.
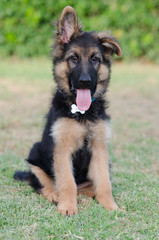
x,y
68,136
64,180
99,169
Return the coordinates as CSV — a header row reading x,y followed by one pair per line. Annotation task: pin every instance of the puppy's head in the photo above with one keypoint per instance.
x,y
82,59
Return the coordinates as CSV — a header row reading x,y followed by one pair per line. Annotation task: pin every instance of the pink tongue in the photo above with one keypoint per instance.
x,y
83,99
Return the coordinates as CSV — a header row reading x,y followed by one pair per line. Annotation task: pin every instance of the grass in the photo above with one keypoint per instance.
x,y
25,93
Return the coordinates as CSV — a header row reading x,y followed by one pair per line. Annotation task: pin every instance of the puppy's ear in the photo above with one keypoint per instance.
x,y
110,43
67,25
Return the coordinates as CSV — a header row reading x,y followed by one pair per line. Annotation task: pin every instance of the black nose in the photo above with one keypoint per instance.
x,y
85,80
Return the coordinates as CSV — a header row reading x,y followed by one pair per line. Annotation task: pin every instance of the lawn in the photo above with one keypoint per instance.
x,y
25,93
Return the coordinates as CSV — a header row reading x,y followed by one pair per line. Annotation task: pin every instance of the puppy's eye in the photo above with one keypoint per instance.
x,y
73,59
95,59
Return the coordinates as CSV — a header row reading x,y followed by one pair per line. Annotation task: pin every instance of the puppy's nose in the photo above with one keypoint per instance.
x,y
85,80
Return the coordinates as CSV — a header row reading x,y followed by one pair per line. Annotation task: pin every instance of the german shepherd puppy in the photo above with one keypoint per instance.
x,y
72,156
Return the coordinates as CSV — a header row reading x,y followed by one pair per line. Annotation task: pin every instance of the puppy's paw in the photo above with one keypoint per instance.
x,y
67,209
50,194
108,203
111,206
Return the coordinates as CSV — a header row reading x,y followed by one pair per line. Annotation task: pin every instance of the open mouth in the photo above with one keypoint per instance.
x,y
83,99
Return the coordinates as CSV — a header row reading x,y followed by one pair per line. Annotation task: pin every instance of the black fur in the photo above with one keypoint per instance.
x,y
30,178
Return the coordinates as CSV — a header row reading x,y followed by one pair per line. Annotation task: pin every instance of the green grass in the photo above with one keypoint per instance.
x,y
25,93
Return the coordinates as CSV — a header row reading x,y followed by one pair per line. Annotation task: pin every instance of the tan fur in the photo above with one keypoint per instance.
x,y
68,135
73,50
80,51
109,42
61,71
99,90
103,73
99,170
94,50
58,51
48,191
86,189
84,184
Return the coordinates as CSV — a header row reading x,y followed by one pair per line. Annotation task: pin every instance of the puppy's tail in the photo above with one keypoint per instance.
x,y
29,178
23,176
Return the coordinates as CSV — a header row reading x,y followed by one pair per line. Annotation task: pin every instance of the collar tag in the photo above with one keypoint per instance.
x,y
75,109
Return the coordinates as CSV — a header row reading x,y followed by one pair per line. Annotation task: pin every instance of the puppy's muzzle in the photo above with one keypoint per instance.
x,y
85,81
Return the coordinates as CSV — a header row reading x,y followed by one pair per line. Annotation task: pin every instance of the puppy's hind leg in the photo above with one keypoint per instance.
x,y
48,189
86,189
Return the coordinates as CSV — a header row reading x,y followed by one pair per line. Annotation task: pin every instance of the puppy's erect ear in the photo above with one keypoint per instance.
x,y
67,25
110,43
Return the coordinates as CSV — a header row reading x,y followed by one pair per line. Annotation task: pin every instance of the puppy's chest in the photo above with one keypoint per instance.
x,y
96,133
90,133
68,132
